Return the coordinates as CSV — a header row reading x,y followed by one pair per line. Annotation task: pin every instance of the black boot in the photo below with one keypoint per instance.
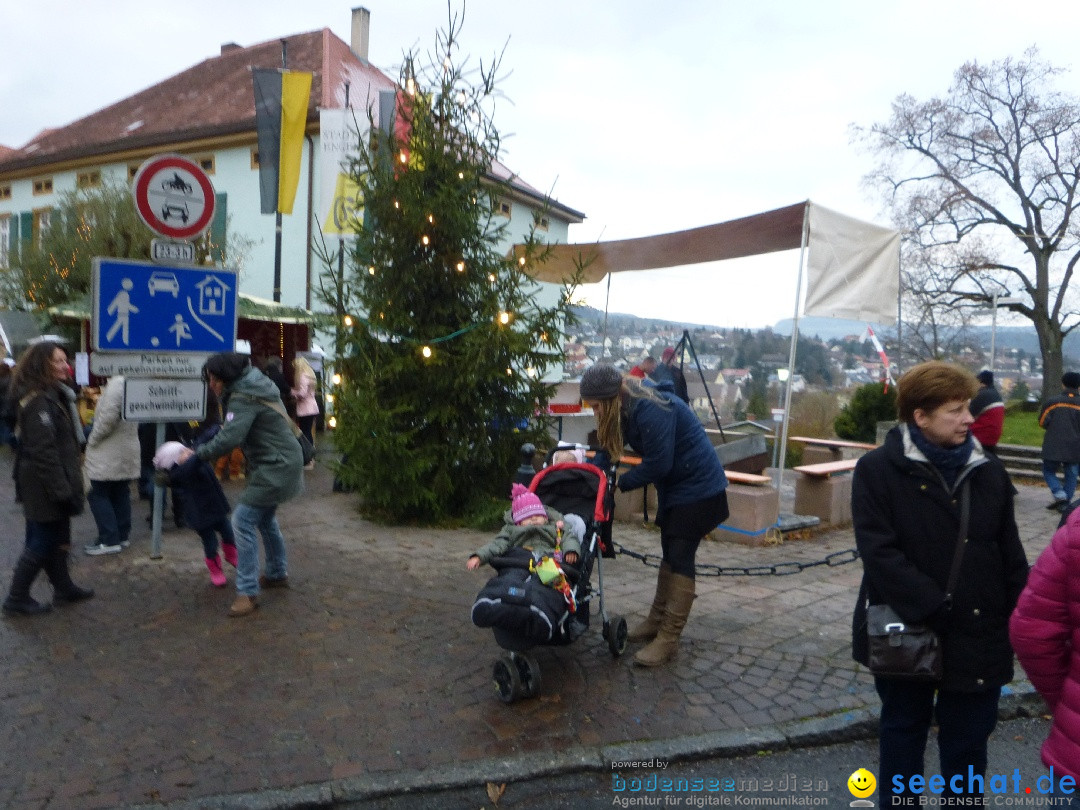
x,y
19,601
56,568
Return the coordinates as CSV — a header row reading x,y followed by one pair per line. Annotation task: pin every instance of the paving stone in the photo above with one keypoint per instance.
x,y
368,671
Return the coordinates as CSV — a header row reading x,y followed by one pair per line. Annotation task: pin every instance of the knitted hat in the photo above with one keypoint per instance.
x,y
667,354
167,455
1071,379
600,382
985,377
525,504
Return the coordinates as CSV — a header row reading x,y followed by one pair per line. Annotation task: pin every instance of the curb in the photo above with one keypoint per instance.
x,y
1018,699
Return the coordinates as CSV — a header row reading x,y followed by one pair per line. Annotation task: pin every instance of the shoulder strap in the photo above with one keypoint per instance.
x,y
275,406
961,540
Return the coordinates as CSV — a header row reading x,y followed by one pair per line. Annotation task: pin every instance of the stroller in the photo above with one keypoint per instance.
x,y
522,611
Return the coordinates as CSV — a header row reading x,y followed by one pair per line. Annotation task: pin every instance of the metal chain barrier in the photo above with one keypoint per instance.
x,y
781,569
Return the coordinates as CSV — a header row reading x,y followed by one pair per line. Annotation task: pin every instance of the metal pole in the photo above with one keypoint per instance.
x,y
791,355
159,501
277,215
993,333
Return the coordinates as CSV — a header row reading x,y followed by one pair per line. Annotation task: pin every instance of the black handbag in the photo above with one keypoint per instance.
x,y
913,651
307,449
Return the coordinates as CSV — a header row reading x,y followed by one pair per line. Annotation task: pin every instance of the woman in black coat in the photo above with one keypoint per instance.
x,y
905,505
48,475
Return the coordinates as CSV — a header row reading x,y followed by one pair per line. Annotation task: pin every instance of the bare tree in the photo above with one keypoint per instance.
x,y
936,321
986,179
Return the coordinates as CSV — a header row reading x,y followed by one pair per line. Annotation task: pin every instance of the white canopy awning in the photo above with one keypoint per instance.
x,y
854,266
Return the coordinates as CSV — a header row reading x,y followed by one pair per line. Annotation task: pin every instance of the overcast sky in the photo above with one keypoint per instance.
x,y
648,117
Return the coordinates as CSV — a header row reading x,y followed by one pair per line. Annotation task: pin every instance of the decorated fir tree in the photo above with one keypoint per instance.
x,y
441,373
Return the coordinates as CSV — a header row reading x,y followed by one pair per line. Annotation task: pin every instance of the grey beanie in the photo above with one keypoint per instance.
x,y
600,382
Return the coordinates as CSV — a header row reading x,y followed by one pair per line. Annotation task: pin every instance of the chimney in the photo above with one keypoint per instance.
x,y
229,46
361,23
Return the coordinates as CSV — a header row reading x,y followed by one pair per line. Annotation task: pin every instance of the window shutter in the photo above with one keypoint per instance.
x,y
26,226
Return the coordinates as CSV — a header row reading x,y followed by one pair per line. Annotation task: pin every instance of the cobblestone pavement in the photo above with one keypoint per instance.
x,y
367,676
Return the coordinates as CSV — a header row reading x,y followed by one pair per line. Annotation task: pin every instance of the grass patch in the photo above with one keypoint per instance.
x,y
1022,427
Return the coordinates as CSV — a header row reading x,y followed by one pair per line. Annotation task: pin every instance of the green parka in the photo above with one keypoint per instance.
x,y
275,465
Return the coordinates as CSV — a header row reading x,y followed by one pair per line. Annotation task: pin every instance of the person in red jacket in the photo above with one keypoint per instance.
x,y
988,409
1045,634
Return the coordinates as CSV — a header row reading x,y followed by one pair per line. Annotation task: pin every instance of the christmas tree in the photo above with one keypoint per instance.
x,y
442,364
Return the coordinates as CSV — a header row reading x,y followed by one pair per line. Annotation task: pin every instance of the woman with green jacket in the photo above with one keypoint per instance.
x,y
256,422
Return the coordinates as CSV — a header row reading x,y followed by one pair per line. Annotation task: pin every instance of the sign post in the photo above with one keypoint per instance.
x,y
155,324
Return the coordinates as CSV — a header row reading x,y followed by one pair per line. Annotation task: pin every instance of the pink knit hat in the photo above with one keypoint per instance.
x,y
524,504
167,455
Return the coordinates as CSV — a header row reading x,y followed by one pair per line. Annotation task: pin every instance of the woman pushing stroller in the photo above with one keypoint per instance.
x,y
678,459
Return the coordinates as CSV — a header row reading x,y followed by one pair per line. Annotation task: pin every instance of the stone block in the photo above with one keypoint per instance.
x,y
628,505
814,454
827,498
753,510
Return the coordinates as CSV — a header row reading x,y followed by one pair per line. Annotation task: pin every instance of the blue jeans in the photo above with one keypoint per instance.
x,y
110,503
1072,471
245,520
965,721
42,539
210,540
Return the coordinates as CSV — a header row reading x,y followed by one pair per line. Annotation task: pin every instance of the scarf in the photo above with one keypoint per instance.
x,y
948,461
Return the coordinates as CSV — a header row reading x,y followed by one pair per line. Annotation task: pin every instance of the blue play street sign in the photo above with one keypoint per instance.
x,y
143,307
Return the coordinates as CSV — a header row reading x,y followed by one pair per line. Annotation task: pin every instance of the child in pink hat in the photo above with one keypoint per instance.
x,y
534,527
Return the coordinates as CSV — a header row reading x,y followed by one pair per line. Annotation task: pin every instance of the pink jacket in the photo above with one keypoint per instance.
x,y
1045,632
304,394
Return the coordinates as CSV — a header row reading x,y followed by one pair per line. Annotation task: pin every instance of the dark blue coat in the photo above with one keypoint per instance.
x,y
906,528
201,497
676,455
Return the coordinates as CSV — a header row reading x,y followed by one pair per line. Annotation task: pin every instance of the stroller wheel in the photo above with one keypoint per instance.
x,y
615,633
507,679
529,673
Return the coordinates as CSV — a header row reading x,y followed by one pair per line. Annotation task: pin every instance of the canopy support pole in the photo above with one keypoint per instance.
x,y
791,352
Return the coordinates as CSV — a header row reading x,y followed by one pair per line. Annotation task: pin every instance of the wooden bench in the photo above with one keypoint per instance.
x,y
828,468
735,477
753,507
823,450
824,490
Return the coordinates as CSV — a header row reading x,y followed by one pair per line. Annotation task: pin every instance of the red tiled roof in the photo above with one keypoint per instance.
x,y
215,98
212,98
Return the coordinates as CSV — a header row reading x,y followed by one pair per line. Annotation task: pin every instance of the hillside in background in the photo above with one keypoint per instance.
x,y
825,329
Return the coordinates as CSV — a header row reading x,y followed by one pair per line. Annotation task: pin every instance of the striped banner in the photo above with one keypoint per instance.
x,y
281,105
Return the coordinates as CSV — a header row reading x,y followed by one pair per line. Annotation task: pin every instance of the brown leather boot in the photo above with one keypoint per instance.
x,y
663,648
647,629
243,606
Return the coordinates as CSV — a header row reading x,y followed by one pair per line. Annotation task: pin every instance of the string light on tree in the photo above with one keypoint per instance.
x,y
426,352
504,318
348,320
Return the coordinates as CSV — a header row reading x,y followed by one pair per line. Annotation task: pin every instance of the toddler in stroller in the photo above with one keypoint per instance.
x,y
532,526
535,598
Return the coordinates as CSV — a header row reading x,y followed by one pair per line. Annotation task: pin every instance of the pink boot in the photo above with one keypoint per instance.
x,y
217,576
229,550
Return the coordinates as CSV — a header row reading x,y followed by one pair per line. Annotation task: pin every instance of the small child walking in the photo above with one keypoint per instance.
x,y
205,507
533,526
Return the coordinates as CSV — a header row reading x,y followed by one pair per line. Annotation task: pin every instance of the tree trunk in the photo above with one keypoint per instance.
x,y
1050,341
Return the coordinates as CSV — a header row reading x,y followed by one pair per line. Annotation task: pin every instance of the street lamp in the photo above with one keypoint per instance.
x,y
998,301
778,414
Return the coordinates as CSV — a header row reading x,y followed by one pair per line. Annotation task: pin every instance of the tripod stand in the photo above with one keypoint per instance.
x,y
686,343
